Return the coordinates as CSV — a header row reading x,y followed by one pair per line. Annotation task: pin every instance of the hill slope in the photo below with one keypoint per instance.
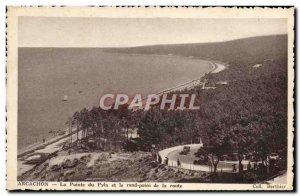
x,y
247,49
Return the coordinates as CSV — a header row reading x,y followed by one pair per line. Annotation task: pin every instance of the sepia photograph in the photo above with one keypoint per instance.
x,y
135,98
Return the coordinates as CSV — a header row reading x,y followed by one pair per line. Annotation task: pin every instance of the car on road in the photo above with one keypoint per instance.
x,y
274,156
203,160
185,150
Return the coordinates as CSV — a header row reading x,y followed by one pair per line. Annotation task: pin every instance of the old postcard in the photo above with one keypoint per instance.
x,y
150,98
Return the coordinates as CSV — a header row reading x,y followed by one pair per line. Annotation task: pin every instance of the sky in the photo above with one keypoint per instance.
x,y
127,32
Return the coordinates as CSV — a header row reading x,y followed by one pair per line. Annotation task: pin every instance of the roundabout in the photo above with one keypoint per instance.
x,y
186,161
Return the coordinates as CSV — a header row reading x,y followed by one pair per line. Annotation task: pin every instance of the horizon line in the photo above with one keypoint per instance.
x,y
115,47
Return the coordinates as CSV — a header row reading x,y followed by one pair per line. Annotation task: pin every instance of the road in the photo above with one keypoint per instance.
x,y
173,155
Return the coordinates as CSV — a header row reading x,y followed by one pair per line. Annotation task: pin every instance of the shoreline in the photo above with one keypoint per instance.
x,y
216,68
37,146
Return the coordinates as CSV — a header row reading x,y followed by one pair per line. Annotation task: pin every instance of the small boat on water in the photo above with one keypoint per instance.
x,y
65,98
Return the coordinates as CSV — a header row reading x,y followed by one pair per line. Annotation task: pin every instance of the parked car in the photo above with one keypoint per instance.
x,y
203,160
91,143
185,150
274,156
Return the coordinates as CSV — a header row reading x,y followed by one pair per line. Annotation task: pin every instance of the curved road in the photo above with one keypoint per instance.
x,y
173,155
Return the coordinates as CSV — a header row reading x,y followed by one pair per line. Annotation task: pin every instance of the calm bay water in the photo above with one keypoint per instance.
x,y
84,75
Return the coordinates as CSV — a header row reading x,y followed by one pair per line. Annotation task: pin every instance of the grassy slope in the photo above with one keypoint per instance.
x,y
135,167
